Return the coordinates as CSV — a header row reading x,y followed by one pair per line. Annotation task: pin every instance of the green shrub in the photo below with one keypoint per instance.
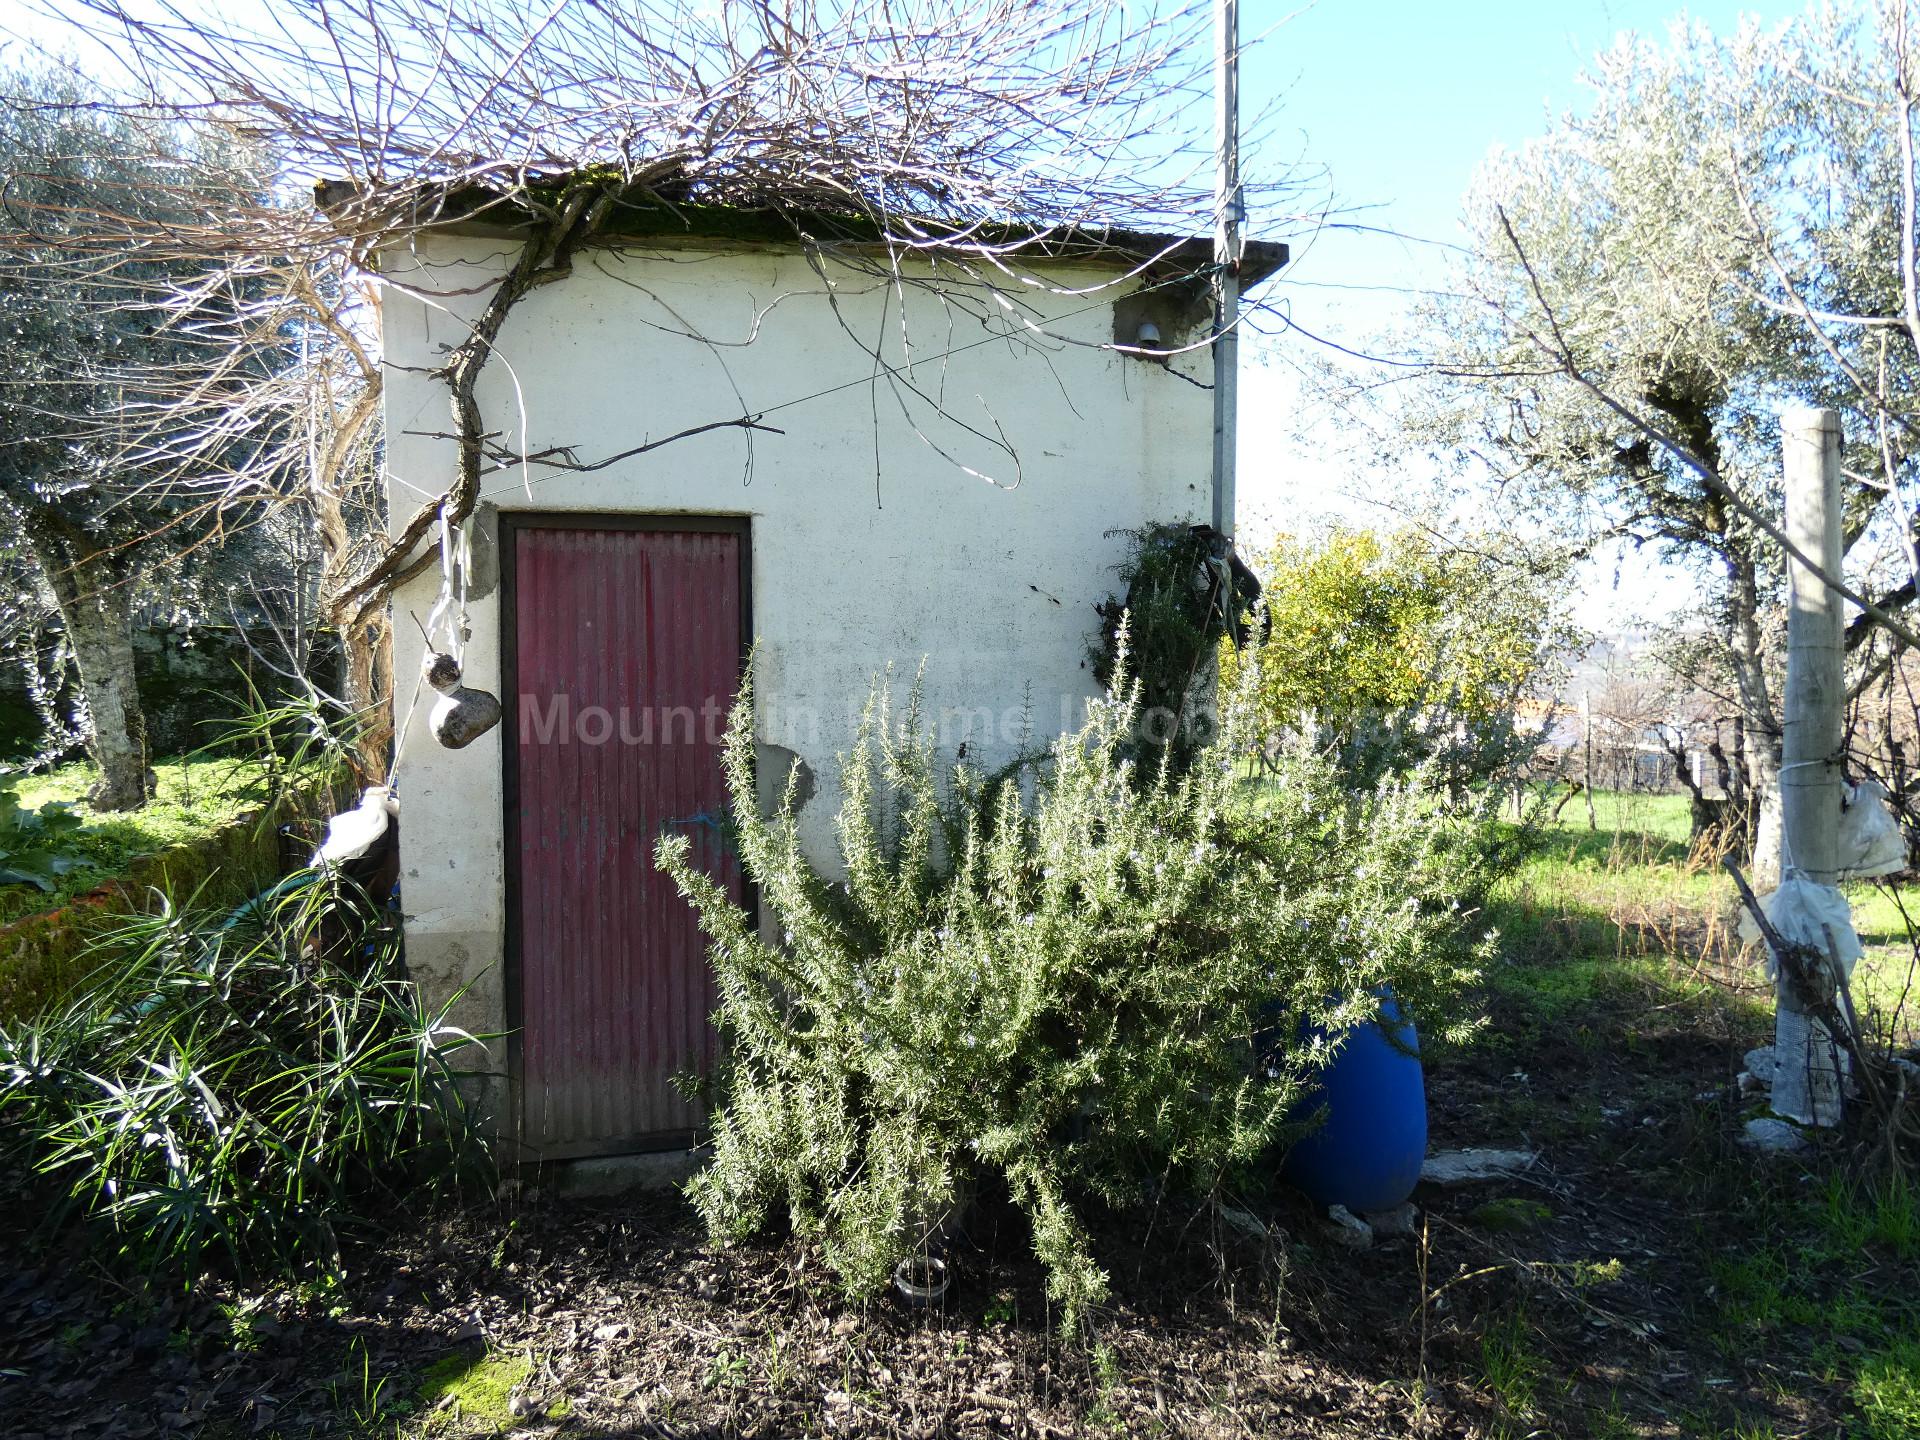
x,y
1073,976
1397,653
1187,596
233,1089
296,742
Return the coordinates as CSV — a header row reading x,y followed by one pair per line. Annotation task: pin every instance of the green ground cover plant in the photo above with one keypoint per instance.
x,y
266,755
34,841
471,1392
1078,978
196,795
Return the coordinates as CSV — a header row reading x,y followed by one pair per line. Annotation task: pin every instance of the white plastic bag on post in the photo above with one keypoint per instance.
x,y
1870,840
1816,916
1871,844
1806,914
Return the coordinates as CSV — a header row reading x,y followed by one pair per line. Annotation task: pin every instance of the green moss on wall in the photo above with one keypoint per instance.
x,y
43,955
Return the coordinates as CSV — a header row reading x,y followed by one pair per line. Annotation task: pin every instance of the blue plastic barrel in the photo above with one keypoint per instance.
x,y
1368,1153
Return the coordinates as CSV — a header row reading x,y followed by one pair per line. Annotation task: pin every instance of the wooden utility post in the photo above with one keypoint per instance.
x,y
1807,1083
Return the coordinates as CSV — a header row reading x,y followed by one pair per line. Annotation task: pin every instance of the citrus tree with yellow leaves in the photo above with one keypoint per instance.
x,y
1393,649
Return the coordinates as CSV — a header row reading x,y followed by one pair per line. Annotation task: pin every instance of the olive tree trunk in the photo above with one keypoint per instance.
x,y
95,600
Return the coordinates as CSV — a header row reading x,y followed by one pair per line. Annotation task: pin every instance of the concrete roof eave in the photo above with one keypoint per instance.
x,y
646,219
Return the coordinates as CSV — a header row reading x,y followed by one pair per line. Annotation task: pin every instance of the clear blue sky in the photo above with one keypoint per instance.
x,y
1400,101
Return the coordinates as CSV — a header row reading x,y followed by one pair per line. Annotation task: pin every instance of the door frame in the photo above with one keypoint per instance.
x,y
511,523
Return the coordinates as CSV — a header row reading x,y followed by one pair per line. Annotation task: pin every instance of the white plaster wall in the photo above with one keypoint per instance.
x,y
868,546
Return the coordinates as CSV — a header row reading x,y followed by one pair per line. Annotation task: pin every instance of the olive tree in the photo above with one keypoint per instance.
x,y
93,203
1730,228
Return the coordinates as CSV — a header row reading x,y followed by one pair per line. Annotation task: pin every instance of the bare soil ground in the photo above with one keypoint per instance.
x,y
1603,1294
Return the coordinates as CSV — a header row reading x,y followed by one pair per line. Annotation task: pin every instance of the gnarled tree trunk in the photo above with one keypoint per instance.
x,y
94,594
367,677
1760,733
349,463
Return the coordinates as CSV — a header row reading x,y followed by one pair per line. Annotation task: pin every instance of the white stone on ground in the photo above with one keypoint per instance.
x,y
1464,1167
1349,1229
1398,1221
1773,1137
1244,1221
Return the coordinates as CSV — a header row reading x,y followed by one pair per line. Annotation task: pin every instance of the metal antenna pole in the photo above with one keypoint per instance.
x,y
1226,257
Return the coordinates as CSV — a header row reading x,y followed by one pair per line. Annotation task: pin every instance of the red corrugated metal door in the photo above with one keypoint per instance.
x,y
626,647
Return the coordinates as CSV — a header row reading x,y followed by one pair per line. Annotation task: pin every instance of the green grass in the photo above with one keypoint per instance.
x,y
1883,1214
1633,890
1885,983
1887,1390
1509,1214
194,797
1510,1366
1640,852
1585,946
1800,1287
1611,936
1757,1294
1663,818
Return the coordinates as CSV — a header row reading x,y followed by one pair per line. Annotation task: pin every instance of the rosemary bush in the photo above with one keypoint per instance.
x,y
223,1090
1079,976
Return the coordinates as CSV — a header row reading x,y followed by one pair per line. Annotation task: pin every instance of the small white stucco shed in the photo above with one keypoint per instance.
x,y
947,452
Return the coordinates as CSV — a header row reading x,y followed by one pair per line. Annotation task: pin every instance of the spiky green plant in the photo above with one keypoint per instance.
x,y
1078,977
236,1089
297,741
